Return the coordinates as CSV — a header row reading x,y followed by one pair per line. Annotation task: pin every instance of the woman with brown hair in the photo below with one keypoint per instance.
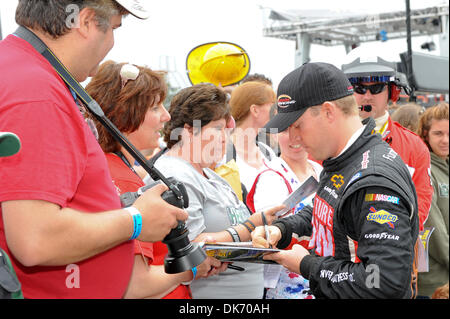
x,y
251,105
434,131
132,98
196,139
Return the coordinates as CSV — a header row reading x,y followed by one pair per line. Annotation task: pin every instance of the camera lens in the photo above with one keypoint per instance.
x,y
182,254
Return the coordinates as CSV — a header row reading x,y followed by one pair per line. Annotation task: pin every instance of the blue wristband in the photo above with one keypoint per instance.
x,y
194,272
137,221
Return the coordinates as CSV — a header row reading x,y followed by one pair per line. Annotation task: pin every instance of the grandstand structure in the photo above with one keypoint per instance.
x,y
332,28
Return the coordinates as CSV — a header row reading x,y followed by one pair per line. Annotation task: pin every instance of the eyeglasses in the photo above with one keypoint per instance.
x,y
374,88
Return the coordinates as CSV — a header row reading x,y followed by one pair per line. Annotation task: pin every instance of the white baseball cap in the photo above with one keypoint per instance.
x,y
135,7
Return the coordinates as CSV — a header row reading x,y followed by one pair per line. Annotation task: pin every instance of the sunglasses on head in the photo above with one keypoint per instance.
x,y
374,88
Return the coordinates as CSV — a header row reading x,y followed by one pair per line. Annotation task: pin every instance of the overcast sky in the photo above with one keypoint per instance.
x,y
177,26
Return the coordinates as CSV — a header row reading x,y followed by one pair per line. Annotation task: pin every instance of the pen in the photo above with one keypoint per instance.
x,y
236,267
266,229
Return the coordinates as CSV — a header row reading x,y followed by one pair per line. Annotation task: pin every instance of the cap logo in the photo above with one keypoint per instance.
x,y
285,101
137,6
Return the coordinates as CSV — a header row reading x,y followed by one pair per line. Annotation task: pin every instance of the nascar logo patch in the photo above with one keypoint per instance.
x,y
381,198
382,217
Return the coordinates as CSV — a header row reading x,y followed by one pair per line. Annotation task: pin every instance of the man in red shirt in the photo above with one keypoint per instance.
x,y
376,82
61,221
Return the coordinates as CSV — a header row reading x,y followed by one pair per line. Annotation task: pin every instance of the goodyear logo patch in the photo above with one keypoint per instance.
x,y
381,198
382,217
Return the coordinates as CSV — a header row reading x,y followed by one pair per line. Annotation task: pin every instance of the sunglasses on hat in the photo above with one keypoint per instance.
x,y
374,88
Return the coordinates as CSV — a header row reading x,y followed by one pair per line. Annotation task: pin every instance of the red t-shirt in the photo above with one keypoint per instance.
x,y
60,162
127,181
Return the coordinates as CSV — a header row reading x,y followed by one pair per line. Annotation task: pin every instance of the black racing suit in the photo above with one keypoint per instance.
x,y
363,226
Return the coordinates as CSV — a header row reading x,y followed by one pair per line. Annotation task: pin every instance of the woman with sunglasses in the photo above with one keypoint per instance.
x,y
376,82
132,98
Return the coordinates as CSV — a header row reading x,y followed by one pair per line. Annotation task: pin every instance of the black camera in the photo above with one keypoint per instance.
x,y
183,255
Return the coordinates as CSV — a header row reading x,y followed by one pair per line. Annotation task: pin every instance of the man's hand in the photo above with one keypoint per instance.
x,y
289,259
259,237
158,217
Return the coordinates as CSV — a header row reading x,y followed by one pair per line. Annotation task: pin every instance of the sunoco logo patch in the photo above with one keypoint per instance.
x,y
382,217
285,101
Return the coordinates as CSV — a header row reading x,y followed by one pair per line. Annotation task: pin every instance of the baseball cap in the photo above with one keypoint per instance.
x,y
9,144
365,69
135,7
309,85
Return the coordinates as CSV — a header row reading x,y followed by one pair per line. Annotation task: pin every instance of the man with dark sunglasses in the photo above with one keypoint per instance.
x,y
373,88
376,82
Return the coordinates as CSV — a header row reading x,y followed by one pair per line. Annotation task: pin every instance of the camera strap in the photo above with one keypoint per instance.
x,y
126,162
90,103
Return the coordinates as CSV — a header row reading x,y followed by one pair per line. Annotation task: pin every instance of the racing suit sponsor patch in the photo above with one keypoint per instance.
x,y
381,198
381,236
338,277
355,177
391,155
365,160
332,192
382,217
338,180
322,238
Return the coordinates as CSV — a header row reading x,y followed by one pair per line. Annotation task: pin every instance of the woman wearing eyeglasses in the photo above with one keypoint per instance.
x,y
132,98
